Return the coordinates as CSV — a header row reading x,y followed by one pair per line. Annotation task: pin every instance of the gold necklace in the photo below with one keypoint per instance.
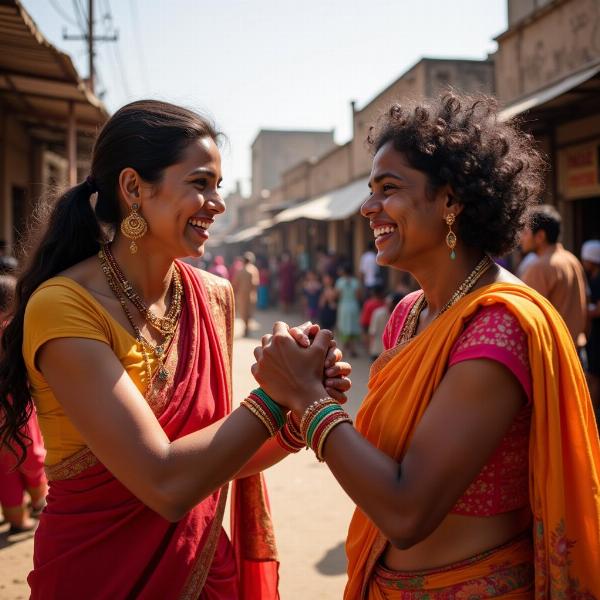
x,y
167,324
412,320
159,350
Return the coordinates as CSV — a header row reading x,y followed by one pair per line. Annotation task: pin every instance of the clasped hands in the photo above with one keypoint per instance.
x,y
298,365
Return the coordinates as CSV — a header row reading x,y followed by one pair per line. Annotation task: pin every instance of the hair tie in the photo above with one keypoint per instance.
x,y
91,183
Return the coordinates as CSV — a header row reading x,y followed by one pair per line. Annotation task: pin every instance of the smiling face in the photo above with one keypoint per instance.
x,y
181,208
408,224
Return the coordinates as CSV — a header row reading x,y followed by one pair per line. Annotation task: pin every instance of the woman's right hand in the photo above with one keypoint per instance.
x,y
290,374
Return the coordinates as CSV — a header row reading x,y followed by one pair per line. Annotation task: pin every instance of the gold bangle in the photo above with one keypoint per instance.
x,y
312,410
259,414
344,418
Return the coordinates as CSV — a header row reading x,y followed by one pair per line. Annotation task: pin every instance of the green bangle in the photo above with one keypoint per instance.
x,y
273,406
327,410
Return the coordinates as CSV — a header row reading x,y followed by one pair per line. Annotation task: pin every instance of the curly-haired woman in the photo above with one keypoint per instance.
x,y
475,458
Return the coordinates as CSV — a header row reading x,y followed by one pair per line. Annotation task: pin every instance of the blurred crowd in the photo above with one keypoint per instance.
x,y
357,306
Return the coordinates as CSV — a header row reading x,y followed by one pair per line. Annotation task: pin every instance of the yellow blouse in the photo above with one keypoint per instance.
x,y
62,308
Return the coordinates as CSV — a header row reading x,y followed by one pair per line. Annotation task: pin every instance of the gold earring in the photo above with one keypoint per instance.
x,y
134,226
451,236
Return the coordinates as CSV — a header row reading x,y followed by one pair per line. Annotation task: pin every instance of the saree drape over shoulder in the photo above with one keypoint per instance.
x,y
564,452
97,540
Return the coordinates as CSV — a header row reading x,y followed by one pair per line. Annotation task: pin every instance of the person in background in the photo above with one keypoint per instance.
x,y
287,282
236,265
321,261
556,274
29,476
370,305
302,259
8,263
328,303
348,311
311,293
369,269
379,320
245,284
527,259
264,276
590,258
218,267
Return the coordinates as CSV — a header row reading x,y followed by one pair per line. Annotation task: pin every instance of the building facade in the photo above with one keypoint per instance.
x,y
48,119
548,77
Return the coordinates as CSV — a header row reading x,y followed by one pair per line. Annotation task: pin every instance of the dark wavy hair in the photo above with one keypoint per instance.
x,y
492,167
148,136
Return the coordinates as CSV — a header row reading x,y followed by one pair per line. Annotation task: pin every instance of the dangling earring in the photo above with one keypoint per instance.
x,y
134,226
451,236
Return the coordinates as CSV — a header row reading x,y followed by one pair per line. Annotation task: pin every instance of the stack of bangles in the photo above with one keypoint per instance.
x,y
316,424
318,421
266,410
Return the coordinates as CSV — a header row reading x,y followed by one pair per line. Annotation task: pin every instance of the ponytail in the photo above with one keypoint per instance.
x,y
71,235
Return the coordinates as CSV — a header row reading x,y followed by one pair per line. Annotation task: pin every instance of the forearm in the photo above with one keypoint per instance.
x,y
267,455
199,463
373,481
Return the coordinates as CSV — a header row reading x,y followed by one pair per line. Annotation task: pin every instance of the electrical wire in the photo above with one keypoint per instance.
x,y
135,16
117,56
63,14
80,16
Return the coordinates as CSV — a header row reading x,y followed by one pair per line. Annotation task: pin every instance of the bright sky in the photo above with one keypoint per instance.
x,y
278,64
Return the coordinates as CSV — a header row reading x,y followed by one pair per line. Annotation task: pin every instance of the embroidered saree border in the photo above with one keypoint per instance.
x,y
71,466
197,577
221,309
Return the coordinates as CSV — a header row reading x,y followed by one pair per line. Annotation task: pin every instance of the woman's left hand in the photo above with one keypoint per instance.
x,y
336,375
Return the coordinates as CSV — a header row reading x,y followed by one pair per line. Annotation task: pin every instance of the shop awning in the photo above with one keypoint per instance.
x,y
333,206
39,81
248,233
542,97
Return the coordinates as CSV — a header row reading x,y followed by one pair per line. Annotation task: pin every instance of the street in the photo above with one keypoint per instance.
x,y
310,511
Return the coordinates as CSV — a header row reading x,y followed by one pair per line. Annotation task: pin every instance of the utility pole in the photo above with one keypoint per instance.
x,y
90,39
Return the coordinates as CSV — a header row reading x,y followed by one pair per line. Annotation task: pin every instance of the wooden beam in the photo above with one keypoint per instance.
x,y
72,145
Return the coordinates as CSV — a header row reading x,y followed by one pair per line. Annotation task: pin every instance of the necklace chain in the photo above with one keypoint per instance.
x,y
118,284
168,323
410,326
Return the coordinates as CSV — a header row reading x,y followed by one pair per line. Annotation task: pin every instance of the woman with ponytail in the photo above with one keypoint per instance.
x,y
126,352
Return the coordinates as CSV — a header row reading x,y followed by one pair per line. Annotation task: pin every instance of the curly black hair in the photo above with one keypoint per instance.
x,y
493,168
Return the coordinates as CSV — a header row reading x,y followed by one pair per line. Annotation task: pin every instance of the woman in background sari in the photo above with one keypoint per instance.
x,y
475,459
126,351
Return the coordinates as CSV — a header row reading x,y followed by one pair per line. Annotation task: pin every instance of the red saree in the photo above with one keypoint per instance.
x,y
97,540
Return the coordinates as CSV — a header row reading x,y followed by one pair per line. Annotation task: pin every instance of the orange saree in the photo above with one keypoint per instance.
x,y
564,452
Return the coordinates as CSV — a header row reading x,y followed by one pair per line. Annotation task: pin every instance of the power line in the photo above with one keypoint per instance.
x,y
88,36
140,52
117,55
68,18
80,16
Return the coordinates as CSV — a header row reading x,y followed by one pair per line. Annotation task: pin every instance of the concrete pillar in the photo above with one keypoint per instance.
x,y
332,238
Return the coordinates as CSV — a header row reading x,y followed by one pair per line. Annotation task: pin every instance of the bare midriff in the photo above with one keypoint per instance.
x,y
458,538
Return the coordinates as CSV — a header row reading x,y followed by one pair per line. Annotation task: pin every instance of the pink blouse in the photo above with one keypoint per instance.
x,y
493,333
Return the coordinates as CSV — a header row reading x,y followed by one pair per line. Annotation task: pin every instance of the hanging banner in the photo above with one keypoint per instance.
x,y
581,171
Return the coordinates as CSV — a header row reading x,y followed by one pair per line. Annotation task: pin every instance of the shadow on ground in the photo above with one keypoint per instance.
x,y
7,539
333,561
